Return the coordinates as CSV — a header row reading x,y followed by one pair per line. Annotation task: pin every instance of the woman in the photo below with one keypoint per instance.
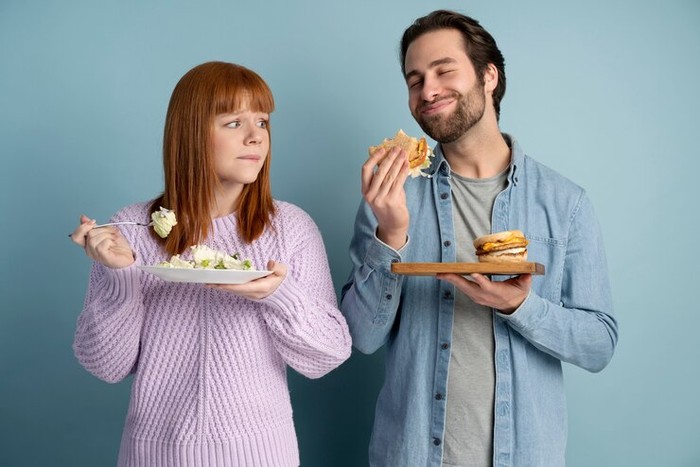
x,y
209,362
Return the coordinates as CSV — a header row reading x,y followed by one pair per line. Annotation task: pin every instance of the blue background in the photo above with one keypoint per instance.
x,y
603,91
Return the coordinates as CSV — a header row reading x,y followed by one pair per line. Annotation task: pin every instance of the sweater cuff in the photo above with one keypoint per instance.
x,y
121,285
287,296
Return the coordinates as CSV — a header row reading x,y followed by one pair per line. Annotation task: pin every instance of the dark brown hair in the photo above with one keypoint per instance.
x,y
480,46
204,92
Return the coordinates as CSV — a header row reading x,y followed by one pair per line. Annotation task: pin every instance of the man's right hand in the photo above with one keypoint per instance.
x,y
383,177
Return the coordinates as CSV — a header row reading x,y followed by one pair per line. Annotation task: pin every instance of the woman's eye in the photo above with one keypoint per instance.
x,y
234,124
262,123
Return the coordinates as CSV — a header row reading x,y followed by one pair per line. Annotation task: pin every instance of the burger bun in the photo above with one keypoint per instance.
x,y
509,246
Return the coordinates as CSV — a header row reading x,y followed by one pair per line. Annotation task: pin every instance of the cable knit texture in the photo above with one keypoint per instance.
x,y
210,384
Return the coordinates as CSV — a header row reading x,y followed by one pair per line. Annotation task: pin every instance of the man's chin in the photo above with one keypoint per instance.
x,y
438,132
431,126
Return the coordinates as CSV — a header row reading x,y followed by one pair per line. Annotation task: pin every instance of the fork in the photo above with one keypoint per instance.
x,y
141,224
123,223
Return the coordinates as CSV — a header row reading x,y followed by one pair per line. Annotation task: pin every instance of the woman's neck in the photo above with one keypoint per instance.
x,y
225,201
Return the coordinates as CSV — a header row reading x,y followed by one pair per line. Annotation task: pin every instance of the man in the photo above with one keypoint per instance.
x,y
473,373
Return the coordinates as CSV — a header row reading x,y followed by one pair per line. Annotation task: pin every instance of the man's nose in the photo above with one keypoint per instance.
x,y
431,88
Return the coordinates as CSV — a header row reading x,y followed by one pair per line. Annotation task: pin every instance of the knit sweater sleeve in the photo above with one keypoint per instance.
x,y
302,314
108,331
106,340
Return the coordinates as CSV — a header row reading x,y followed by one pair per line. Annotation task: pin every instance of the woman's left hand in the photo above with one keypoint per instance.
x,y
259,288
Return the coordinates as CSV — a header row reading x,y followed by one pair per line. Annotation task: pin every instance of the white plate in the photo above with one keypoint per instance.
x,y
205,276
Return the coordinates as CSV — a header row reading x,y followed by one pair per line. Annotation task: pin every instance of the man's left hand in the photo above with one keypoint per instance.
x,y
505,296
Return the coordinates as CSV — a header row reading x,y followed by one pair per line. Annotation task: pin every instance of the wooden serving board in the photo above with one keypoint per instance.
x,y
430,269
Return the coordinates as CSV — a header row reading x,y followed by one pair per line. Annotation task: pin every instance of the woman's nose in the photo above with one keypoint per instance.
x,y
255,136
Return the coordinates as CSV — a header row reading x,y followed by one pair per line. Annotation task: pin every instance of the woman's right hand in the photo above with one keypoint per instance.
x,y
383,177
105,245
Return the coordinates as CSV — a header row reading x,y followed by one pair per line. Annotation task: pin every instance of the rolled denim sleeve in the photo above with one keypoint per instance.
x,y
370,299
581,329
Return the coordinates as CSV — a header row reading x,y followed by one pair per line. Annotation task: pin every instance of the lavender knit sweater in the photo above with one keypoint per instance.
x,y
210,385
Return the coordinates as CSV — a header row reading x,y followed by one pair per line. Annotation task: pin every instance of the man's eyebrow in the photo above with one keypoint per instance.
x,y
433,64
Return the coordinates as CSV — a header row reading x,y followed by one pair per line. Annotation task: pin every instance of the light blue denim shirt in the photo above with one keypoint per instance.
x,y
566,317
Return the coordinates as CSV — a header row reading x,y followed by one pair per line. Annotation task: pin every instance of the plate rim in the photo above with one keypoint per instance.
x,y
155,269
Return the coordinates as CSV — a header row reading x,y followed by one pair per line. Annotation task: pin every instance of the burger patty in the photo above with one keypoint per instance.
x,y
501,247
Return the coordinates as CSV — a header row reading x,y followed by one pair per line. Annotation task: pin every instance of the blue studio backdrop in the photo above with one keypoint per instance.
x,y
603,91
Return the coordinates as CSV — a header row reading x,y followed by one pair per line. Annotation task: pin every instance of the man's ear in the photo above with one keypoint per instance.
x,y
490,78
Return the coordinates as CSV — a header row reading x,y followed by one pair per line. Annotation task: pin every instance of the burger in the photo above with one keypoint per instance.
x,y
502,247
416,149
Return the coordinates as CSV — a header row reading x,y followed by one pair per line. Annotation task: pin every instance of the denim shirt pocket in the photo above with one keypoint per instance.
x,y
551,252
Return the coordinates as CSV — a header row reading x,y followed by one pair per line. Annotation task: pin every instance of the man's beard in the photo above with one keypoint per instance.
x,y
449,128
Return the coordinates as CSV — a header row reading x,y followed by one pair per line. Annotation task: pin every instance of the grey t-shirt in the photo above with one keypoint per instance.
x,y
471,377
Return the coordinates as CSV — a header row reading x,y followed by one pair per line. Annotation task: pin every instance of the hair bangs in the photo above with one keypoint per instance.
x,y
242,89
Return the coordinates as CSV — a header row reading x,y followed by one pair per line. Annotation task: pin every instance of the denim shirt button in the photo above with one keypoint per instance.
x,y
438,397
447,243
447,294
388,296
445,346
443,195
436,441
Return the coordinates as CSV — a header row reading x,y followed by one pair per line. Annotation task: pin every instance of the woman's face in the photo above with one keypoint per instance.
x,y
241,144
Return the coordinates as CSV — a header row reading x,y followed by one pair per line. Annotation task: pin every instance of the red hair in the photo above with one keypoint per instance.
x,y
204,92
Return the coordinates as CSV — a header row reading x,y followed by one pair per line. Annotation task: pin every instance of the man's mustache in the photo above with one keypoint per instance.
x,y
451,95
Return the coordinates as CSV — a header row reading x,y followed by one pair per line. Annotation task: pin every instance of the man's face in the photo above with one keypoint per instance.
x,y
445,95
